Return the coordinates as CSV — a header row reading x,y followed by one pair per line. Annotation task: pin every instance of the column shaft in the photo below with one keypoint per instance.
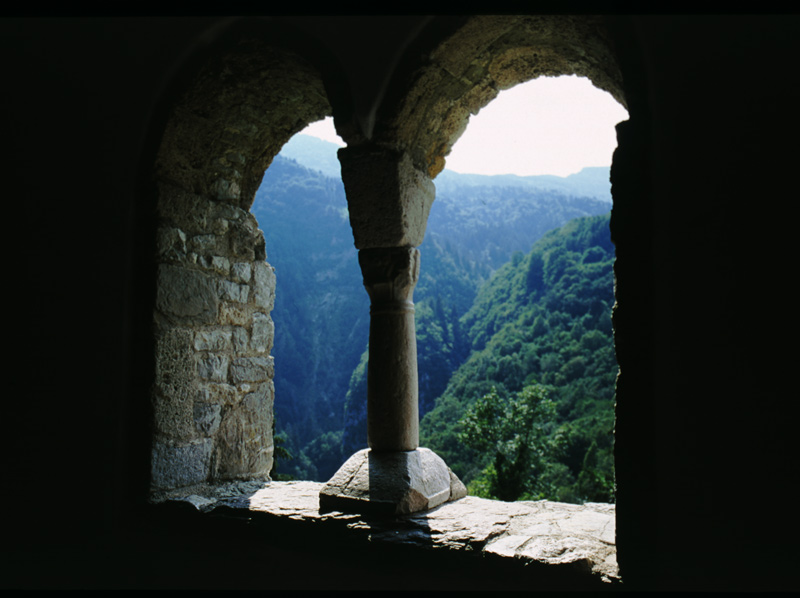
x,y
390,275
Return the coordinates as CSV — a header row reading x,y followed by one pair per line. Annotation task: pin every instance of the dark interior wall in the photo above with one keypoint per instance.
x,y
722,130
708,439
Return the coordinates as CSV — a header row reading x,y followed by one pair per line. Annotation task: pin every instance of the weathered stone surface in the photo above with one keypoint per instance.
x,y
240,339
212,340
187,294
396,482
176,466
264,278
203,244
235,314
207,417
174,384
214,367
241,271
541,534
263,333
231,291
390,210
215,263
170,244
244,439
243,238
252,369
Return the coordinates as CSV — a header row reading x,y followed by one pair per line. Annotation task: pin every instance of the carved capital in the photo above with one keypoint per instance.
x,y
390,275
389,199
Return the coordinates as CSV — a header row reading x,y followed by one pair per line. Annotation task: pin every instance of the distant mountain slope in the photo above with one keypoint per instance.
x,y
321,310
589,182
593,182
543,318
315,153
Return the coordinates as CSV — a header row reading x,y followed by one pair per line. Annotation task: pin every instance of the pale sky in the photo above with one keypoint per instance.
x,y
545,126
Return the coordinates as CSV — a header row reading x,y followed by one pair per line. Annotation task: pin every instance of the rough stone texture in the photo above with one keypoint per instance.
x,y
187,294
244,440
234,115
264,287
541,534
393,483
183,465
390,210
211,149
175,385
212,401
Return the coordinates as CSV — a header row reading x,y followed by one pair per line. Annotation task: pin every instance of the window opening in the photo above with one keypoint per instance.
x,y
321,311
525,409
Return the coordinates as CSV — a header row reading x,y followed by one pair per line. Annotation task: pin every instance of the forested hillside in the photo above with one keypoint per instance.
x,y
322,310
540,334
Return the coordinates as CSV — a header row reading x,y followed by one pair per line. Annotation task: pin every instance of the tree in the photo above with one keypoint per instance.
x,y
514,432
279,452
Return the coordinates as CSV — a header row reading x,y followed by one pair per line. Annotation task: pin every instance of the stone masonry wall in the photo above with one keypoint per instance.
x,y
213,392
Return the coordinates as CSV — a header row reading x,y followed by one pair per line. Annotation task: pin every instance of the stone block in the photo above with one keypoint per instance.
x,y
219,394
389,199
264,278
241,272
175,384
178,466
236,314
231,291
252,369
213,367
390,483
212,340
170,244
187,294
263,333
207,418
244,445
240,340
226,190
203,244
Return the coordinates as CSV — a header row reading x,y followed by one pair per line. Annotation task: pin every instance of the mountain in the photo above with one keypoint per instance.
x,y
318,154
543,319
590,182
314,153
321,312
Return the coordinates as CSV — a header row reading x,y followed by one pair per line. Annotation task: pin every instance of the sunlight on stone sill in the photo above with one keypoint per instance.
x,y
544,532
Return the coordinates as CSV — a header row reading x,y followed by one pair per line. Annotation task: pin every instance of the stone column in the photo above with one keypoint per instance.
x,y
390,275
389,201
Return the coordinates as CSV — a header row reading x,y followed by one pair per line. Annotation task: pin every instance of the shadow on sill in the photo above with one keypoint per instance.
x,y
471,543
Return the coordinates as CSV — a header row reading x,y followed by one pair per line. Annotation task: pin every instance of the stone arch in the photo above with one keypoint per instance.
x,y
213,392
482,55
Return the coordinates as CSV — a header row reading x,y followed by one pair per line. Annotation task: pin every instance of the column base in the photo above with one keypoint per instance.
x,y
393,483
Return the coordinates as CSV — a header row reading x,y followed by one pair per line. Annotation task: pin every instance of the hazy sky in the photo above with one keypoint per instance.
x,y
545,126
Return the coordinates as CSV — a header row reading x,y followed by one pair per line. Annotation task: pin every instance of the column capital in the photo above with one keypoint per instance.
x,y
390,274
389,199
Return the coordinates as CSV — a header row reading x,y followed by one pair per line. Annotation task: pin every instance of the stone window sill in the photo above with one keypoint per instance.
x,y
566,541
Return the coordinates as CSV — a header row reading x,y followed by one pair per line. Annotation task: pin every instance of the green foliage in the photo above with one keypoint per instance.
x,y
545,319
280,453
512,431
